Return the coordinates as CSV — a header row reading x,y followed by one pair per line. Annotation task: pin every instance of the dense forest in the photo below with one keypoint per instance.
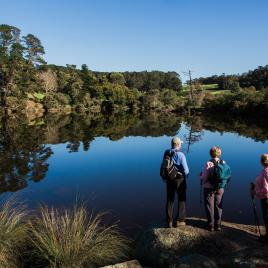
x,y
241,94
29,85
26,80
257,78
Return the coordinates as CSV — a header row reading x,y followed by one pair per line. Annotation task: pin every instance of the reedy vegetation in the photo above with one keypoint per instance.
x,y
13,232
69,238
73,239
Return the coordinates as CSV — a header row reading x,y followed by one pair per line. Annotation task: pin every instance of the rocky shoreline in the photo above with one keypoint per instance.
x,y
192,246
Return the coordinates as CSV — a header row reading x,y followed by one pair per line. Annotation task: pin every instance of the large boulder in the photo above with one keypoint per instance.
x,y
196,261
162,247
247,258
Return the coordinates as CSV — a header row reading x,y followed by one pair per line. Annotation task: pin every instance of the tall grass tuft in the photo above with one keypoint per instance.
x,y
13,232
72,238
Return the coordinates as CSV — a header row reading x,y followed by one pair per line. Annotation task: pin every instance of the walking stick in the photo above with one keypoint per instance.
x,y
200,198
256,219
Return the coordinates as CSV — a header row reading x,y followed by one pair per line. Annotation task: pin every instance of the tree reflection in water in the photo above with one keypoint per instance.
x,y
25,150
195,131
23,156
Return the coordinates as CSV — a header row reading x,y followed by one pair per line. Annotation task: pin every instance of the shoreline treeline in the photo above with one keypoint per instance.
x,y
24,76
28,83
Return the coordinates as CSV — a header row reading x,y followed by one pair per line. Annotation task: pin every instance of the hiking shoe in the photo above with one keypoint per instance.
x,y
170,224
217,228
180,223
263,239
210,228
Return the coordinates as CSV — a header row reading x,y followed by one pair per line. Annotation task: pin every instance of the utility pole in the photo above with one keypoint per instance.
x,y
189,74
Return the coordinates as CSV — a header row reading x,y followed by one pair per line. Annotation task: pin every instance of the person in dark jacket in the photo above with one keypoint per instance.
x,y
177,186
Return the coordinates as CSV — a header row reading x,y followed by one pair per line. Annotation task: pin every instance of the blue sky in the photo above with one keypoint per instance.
x,y
207,36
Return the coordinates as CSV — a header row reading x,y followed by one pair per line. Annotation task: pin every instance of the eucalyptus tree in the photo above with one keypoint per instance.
x,y
34,50
88,78
17,56
11,59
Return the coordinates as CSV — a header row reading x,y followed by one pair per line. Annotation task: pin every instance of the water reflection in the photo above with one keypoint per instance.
x,y
23,156
195,130
25,147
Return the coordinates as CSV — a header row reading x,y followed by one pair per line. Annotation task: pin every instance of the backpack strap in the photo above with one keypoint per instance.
x,y
212,170
171,153
215,162
168,153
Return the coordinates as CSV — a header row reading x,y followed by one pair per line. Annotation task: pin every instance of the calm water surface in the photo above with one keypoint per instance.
x,y
113,162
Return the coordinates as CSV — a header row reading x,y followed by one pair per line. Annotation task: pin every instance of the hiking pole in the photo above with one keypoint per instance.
x,y
256,219
257,224
200,197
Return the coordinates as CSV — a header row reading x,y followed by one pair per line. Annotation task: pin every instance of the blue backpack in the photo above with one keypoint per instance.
x,y
221,174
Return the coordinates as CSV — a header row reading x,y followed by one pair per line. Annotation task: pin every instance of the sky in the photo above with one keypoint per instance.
x,y
206,36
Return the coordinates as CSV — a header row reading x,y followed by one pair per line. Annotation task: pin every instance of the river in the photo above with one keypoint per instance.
x,y
111,163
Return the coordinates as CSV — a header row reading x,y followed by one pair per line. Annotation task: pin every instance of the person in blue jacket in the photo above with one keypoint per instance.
x,y
177,186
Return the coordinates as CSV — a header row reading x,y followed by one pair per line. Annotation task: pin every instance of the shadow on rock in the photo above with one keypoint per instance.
x,y
168,247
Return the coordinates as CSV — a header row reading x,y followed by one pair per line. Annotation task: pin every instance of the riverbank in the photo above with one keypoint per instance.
x,y
244,103
63,238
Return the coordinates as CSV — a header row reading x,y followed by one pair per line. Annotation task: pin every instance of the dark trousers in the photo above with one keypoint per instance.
x,y
213,200
264,206
173,187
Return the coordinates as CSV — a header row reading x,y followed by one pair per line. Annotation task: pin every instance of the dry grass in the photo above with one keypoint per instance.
x,y
73,238
13,232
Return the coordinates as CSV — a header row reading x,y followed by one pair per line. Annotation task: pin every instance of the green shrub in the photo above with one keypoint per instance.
x,y
117,78
39,96
36,96
56,101
62,99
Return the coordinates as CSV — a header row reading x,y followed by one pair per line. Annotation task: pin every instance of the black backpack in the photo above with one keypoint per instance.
x,y
168,170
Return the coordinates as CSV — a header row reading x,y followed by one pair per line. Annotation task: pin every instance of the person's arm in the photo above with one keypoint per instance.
x,y
184,164
261,186
205,172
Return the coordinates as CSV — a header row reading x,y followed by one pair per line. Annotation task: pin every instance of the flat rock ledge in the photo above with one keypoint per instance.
x,y
128,264
192,246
